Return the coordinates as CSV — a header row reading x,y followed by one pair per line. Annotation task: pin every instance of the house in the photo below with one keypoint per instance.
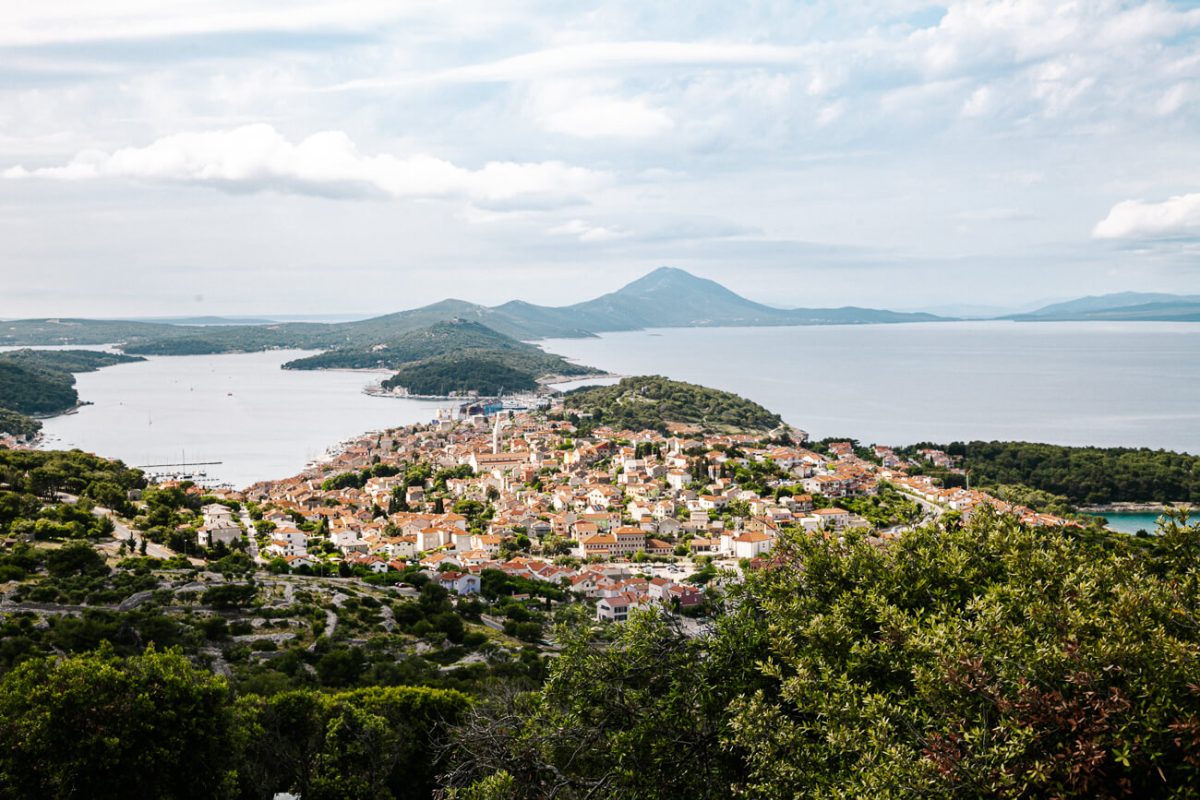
x,y
459,582
602,544
752,544
657,547
685,596
617,607
209,534
833,517
628,541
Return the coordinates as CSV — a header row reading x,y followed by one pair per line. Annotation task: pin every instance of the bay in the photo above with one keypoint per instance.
x,y
259,421
1131,384
1132,522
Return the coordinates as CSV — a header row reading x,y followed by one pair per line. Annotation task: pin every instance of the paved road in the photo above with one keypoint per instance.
x,y
122,532
248,524
930,508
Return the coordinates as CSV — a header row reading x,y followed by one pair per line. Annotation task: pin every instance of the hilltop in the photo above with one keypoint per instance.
x,y
651,402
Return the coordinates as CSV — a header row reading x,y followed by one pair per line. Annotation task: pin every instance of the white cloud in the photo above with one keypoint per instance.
x,y
586,231
572,108
994,215
1136,219
598,57
255,158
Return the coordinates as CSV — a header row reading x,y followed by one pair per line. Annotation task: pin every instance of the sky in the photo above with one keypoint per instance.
x,y
363,156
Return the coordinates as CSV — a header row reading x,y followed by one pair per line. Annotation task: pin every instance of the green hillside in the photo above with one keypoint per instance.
x,y
651,402
41,381
455,337
1083,475
47,332
484,372
18,424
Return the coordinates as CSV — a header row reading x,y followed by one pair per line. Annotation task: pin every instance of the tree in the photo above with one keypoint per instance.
x,y
93,725
76,558
975,658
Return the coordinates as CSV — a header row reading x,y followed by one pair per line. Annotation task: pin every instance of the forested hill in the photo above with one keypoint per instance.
x,y
453,357
651,402
41,382
1084,475
454,337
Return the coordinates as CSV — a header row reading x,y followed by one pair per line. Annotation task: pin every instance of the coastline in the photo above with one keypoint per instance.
x,y
545,388
1136,508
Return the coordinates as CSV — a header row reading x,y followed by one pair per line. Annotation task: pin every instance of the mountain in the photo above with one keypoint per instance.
x,y
1122,306
675,298
665,298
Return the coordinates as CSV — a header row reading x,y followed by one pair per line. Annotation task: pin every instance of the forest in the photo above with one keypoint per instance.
x,y
42,381
1083,475
979,659
452,338
459,374
651,402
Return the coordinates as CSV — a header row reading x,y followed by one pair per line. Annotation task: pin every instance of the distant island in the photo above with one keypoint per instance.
x,y
454,347
1119,307
665,298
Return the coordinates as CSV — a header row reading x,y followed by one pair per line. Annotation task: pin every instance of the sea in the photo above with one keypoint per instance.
x,y
1132,521
1118,384
1128,384
257,421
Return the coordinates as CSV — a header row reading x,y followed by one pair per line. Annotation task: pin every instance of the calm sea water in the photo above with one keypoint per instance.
x,y
1114,384
1132,522
260,421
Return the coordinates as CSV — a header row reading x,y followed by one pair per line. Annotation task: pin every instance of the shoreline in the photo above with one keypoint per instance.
x,y
1135,508
545,389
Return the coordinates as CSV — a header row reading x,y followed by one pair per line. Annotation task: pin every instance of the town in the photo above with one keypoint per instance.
x,y
622,519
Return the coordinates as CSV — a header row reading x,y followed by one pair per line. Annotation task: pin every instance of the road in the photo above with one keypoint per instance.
x,y
122,532
248,524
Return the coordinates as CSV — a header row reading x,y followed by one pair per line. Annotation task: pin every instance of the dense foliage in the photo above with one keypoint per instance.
x,y
150,726
41,381
989,660
1084,474
155,726
18,424
27,475
650,402
452,338
457,374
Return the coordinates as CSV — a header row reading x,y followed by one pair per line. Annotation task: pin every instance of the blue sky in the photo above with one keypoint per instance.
x,y
225,156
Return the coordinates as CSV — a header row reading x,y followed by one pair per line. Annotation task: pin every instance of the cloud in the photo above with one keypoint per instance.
x,y
994,215
599,57
1138,219
586,231
573,108
257,158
